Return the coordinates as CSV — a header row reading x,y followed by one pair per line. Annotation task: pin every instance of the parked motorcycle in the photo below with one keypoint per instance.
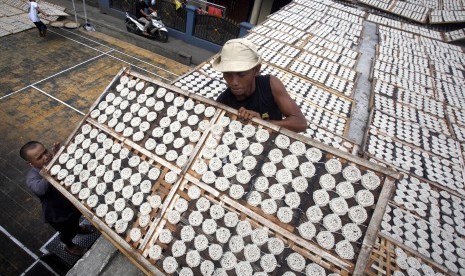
x,y
156,29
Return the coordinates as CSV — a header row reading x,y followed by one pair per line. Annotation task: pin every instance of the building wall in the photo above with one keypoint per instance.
x,y
265,10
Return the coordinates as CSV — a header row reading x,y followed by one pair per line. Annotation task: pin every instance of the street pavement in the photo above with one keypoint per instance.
x,y
174,49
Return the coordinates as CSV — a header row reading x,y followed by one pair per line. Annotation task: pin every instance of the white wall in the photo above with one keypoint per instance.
x,y
265,10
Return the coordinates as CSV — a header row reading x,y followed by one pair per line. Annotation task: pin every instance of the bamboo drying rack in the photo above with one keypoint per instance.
x,y
137,252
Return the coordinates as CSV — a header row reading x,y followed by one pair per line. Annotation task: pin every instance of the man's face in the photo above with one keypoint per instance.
x,y
242,84
38,156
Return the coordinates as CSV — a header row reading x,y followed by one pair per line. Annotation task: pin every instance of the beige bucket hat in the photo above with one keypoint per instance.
x,y
237,55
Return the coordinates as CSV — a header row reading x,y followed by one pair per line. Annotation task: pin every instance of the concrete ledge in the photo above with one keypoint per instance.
x,y
104,259
95,260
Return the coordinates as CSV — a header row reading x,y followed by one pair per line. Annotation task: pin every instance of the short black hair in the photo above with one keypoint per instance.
x,y
29,145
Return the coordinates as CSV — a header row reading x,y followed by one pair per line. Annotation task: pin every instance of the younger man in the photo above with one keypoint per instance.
x,y
56,209
34,16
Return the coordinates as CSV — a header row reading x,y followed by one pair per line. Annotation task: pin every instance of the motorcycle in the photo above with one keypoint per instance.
x,y
156,29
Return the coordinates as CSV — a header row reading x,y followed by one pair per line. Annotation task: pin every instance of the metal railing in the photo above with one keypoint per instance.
x,y
214,29
209,28
205,4
124,5
175,19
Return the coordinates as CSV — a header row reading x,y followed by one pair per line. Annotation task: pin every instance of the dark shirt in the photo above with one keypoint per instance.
x,y
141,5
55,206
261,100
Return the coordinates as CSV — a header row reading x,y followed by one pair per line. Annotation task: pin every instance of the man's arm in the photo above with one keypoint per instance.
x,y
142,10
143,13
294,120
37,183
55,147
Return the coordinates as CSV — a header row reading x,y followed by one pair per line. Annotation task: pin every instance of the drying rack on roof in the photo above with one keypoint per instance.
x,y
135,211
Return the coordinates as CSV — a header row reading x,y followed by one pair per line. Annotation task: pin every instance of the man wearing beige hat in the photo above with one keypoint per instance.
x,y
252,94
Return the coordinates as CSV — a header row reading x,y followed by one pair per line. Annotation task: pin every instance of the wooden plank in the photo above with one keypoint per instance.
x,y
164,207
366,134
371,101
373,227
155,235
200,143
151,233
347,126
379,263
460,157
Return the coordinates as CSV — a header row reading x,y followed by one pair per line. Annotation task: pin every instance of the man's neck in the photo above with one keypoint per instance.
x,y
244,97
248,94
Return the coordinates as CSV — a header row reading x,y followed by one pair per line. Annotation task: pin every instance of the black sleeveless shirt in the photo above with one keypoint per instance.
x,y
261,100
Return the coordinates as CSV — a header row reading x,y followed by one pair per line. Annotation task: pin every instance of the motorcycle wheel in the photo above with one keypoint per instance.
x,y
131,27
163,36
